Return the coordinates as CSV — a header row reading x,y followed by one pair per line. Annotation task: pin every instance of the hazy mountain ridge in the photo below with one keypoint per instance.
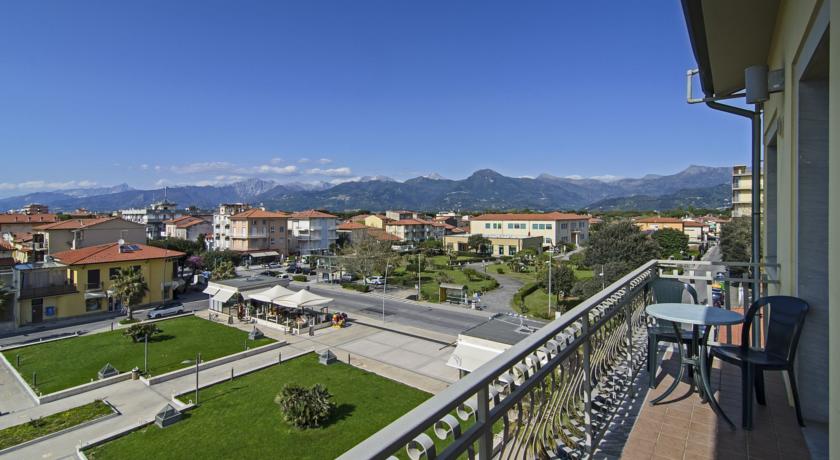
x,y
483,190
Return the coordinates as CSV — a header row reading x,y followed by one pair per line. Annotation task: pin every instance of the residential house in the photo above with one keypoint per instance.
x,y
313,232
153,217
82,233
188,228
221,224
500,245
7,260
696,232
23,223
401,215
652,224
356,231
260,231
742,191
413,230
553,227
77,282
35,208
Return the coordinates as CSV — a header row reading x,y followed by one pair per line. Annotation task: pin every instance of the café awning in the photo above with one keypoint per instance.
x,y
469,357
272,293
302,298
224,295
265,254
210,290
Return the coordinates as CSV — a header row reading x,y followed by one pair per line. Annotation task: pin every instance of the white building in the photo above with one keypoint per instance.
x,y
221,224
153,217
554,227
313,232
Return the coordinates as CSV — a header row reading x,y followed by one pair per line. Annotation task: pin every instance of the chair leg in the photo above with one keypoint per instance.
x,y
795,391
759,387
746,396
652,358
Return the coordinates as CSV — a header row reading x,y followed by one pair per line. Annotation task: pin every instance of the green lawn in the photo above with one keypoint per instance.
x,y
67,363
239,419
525,277
28,431
537,304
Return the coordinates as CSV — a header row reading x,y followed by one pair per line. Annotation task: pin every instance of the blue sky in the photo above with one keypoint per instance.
x,y
154,93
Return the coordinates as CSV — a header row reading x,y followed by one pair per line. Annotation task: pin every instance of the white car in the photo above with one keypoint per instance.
x,y
172,308
375,280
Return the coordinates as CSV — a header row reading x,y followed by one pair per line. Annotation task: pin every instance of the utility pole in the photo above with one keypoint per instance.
x,y
197,361
146,355
384,288
549,285
418,276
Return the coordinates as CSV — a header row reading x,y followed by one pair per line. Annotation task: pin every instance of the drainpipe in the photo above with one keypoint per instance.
x,y
755,117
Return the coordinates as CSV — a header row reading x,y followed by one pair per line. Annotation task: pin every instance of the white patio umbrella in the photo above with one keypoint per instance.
x,y
269,295
301,299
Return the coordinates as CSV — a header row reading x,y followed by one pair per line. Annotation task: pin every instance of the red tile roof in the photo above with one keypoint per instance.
x,y
312,214
255,213
186,221
382,235
75,224
352,226
27,218
405,222
552,216
659,220
110,252
691,223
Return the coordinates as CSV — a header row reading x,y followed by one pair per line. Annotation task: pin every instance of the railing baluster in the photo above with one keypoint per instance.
x,y
485,442
587,383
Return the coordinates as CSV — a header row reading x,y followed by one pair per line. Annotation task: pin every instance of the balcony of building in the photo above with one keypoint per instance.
x,y
44,282
578,388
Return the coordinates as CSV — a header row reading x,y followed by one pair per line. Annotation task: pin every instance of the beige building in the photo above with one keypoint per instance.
x,y
83,233
23,223
553,227
256,230
221,223
188,228
742,191
652,224
313,232
413,230
356,231
500,245
797,128
402,214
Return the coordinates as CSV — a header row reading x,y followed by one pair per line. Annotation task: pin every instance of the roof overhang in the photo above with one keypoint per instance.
x,y
727,37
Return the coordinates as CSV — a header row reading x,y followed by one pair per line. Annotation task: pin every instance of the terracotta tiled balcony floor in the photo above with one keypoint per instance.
x,y
684,428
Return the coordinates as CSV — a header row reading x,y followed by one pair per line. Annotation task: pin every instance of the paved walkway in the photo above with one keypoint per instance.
x,y
410,359
13,397
498,300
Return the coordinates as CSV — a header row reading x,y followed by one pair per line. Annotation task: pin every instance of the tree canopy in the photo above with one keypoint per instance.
x,y
620,243
672,242
736,242
130,287
479,243
367,256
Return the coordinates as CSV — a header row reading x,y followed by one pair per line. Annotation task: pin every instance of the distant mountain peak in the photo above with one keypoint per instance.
x,y
485,174
434,176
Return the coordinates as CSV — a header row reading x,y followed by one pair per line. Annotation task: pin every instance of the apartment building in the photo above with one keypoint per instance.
x,y
356,231
553,227
23,223
221,223
500,244
652,224
188,228
414,230
742,191
153,217
35,208
77,282
257,230
313,232
402,214
83,233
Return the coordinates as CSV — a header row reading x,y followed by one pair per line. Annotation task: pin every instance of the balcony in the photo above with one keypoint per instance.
x,y
34,292
577,388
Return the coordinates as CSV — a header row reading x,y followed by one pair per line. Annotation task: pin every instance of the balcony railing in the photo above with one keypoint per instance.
x,y
33,292
553,394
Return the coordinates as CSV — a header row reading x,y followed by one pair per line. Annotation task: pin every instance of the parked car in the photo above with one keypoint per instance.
x,y
293,269
273,265
347,277
171,308
270,273
375,280
284,276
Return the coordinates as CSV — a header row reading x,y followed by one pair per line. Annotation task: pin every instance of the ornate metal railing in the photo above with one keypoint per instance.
x,y
553,394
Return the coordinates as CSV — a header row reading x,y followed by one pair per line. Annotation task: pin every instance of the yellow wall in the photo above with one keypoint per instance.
x,y
155,272
374,221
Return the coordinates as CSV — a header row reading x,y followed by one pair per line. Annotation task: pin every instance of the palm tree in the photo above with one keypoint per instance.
x,y
130,287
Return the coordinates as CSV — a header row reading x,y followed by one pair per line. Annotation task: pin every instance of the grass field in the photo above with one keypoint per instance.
x,y
67,363
239,419
28,431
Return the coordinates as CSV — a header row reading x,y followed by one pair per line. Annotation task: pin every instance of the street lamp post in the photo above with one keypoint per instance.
x,y
549,286
384,288
418,276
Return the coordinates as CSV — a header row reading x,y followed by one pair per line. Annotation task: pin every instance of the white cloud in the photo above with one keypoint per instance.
x,y
157,167
7,186
144,167
304,160
324,161
163,182
202,167
276,161
574,177
283,170
45,185
334,172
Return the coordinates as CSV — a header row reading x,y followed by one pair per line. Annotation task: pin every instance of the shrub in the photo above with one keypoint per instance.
x,y
305,407
524,291
500,270
138,331
129,320
356,287
300,278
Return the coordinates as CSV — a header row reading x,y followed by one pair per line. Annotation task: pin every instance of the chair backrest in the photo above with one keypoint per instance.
x,y
786,319
670,290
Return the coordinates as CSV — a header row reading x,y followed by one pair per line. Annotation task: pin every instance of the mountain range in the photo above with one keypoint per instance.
x,y
698,186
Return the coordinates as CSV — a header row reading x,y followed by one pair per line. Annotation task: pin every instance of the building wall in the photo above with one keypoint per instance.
x,y
155,273
784,123
509,246
374,221
552,232
314,234
106,232
259,234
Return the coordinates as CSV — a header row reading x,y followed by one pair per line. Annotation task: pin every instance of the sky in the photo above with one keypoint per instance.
x,y
160,93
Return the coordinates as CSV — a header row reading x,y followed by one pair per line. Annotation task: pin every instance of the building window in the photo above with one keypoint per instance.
x,y
501,250
92,305
574,224
487,225
564,226
113,273
548,226
510,226
512,250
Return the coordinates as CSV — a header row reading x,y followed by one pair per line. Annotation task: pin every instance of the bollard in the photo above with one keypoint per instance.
x,y
17,358
34,379
348,358
112,325
279,357
231,374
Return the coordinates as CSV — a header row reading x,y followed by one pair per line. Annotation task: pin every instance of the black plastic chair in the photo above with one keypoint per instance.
x,y
786,319
666,290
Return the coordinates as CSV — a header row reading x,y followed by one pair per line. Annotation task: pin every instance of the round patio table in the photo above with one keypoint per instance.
x,y
695,316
